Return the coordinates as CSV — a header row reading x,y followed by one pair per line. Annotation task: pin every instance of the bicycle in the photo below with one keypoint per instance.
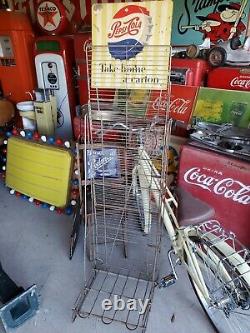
x,y
217,264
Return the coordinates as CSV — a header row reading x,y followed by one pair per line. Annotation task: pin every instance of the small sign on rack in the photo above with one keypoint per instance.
x,y
102,162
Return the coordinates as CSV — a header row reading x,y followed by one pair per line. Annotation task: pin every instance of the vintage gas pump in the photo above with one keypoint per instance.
x,y
17,70
54,58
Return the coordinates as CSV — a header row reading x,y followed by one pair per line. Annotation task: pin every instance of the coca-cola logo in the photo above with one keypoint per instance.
x,y
240,82
160,103
229,188
177,105
130,27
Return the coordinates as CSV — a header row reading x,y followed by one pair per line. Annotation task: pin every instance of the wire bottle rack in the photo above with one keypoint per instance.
x,y
122,230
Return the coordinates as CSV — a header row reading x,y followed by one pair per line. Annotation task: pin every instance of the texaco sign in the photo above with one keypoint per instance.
x,y
60,16
48,16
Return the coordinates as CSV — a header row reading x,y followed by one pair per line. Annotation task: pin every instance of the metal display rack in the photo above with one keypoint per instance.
x,y
121,250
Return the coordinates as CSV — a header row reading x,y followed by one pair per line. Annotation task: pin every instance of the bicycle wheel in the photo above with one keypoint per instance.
x,y
229,305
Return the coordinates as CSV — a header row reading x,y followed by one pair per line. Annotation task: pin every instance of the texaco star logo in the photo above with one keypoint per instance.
x,y
48,15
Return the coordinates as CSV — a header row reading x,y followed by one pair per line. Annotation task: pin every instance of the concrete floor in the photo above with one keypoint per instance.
x,y
34,246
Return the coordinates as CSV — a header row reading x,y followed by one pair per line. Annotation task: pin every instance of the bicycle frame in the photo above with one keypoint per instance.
x,y
181,243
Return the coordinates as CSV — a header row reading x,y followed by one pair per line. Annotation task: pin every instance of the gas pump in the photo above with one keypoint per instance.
x,y
17,70
54,59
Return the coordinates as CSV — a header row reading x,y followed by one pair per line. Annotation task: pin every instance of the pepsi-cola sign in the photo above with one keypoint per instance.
x,y
130,45
129,31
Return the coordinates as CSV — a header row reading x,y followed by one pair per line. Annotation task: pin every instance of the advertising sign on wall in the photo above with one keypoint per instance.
x,y
223,106
195,20
129,44
54,16
182,101
73,13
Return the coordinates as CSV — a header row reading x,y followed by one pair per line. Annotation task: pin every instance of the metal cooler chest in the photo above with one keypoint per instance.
x,y
233,78
221,181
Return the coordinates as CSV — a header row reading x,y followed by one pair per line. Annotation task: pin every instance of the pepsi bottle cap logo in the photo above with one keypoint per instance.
x,y
131,9
129,31
131,27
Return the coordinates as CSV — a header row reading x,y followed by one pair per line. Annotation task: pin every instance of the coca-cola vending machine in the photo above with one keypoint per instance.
x,y
221,181
232,78
189,72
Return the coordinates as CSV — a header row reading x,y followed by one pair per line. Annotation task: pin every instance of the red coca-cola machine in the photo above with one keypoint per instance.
x,y
232,78
223,182
189,72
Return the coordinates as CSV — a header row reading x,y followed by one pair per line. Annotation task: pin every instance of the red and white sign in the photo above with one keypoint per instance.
x,y
240,82
181,103
232,78
49,16
130,26
229,188
69,17
77,12
223,183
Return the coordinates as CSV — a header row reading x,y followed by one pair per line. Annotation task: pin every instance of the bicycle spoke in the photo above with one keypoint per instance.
x,y
223,309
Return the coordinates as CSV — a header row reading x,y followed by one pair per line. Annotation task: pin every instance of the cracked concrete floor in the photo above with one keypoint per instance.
x,y
34,245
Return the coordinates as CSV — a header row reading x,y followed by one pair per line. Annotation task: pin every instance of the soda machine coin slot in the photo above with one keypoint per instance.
x,y
178,76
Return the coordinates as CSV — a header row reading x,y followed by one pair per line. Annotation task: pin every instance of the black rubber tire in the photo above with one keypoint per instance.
x,y
192,51
201,304
204,53
235,43
217,56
